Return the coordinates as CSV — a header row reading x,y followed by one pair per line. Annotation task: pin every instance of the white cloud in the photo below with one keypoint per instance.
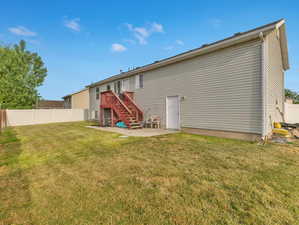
x,y
216,23
23,31
168,48
143,33
118,47
140,33
141,39
179,42
73,24
157,28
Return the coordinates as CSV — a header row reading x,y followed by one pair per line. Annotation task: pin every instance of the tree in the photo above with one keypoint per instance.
x,y
292,95
21,72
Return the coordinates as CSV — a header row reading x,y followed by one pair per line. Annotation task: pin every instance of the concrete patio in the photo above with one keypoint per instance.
x,y
145,132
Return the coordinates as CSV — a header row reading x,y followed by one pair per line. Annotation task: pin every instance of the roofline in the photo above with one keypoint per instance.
x,y
284,45
204,49
75,93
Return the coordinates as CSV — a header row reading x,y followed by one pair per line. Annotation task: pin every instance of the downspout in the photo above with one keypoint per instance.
x,y
264,87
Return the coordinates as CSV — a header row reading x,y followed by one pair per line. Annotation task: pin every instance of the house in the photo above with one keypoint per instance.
x,y
77,100
50,104
289,101
230,88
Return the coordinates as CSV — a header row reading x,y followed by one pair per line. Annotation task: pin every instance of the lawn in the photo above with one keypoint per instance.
x,y
69,174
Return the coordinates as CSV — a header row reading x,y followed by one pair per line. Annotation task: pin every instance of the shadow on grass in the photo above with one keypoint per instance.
x,y
15,197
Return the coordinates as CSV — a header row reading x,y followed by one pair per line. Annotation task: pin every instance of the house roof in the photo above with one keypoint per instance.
x,y
50,104
206,48
69,95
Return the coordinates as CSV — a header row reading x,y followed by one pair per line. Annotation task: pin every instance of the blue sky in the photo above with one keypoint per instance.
x,y
85,41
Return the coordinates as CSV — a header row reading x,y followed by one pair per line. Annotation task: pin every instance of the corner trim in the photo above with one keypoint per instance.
x,y
264,56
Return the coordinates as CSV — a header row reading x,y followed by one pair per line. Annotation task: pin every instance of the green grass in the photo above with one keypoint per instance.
x,y
69,174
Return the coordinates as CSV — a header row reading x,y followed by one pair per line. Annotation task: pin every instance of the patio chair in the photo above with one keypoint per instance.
x,y
153,122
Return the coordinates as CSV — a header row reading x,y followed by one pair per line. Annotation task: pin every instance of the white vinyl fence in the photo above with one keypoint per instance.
x,y
41,116
291,113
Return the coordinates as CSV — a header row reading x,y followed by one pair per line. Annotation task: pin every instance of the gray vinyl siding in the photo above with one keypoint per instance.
x,y
222,90
275,81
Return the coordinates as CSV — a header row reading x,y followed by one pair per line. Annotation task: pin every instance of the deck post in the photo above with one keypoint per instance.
x,y
112,118
101,117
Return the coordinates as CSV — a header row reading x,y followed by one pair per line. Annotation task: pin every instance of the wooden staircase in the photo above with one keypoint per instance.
x,y
122,108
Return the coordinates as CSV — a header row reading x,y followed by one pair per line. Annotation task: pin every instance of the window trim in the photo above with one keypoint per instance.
x,y
141,78
118,86
139,81
123,86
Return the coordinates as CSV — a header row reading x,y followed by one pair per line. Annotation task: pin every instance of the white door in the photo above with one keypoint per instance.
x,y
172,112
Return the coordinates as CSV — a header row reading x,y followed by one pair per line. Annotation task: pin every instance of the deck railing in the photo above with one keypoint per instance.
x,y
109,100
112,101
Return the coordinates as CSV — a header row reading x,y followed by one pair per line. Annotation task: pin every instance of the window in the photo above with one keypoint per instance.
x,y
108,87
97,93
117,87
139,81
126,85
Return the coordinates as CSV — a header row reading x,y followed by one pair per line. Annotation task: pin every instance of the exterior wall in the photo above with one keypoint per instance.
x,y
274,82
94,103
221,90
291,113
80,100
42,116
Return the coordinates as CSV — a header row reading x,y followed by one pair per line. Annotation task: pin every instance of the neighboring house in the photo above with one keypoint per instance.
x,y
50,104
230,88
289,101
77,100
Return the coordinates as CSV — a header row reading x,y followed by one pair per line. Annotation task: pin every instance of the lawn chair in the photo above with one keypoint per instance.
x,y
153,122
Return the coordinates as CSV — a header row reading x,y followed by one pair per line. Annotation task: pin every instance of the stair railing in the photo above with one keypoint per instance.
x,y
138,113
110,100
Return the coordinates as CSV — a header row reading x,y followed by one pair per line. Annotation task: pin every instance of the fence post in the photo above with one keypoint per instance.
x,y
3,119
